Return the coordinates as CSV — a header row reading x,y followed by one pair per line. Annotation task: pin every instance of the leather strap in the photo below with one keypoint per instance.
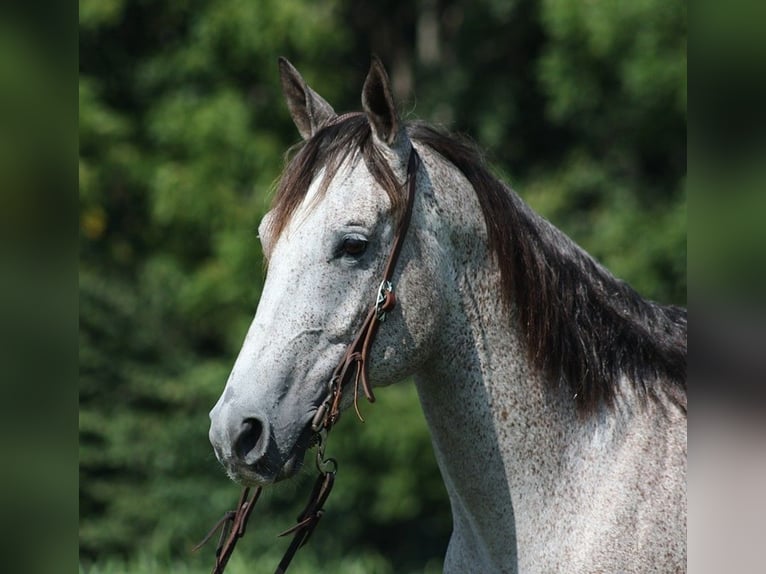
x,y
232,527
353,364
308,519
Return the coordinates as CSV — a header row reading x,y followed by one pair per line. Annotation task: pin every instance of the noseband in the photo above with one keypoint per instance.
x,y
352,367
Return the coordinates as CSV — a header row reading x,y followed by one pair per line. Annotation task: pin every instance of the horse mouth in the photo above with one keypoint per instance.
x,y
273,467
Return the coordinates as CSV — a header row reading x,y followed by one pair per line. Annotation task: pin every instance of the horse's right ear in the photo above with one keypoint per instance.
x,y
308,109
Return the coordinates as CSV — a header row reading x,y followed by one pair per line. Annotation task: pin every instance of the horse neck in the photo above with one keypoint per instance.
x,y
519,461
479,386
496,426
481,390
496,429
503,434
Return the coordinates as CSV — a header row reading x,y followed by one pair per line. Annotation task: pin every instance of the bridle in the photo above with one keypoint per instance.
x,y
352,367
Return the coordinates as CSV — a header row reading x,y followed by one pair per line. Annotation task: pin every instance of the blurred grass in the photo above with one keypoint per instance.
x,y
308,560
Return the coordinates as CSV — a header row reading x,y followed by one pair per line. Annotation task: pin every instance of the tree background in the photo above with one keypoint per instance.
x,y
581,106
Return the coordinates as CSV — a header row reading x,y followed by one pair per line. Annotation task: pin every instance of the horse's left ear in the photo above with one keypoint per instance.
x,y
378,103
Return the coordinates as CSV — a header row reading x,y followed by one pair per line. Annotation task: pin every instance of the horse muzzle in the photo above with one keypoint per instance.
x,y
247,448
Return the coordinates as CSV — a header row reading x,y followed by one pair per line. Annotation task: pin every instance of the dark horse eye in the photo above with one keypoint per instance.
x,y
354,245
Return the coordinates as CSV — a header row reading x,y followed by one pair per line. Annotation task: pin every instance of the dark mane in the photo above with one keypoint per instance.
x,y
581,325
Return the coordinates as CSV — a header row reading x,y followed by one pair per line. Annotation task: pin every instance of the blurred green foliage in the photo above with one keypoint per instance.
x,y
182,134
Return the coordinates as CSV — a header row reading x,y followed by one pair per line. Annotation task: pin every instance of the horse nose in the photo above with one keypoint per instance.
x,y
237,439
250,444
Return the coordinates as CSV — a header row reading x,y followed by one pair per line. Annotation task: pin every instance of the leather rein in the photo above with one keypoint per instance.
x,y
352,367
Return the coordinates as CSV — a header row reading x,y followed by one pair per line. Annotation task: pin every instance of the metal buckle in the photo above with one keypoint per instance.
x,y
317,423
385,287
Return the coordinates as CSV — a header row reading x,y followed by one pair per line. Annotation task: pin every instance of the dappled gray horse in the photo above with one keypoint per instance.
x,y
555,395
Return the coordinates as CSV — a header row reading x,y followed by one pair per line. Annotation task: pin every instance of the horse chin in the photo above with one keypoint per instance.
x,y
249,477
265,475
291,467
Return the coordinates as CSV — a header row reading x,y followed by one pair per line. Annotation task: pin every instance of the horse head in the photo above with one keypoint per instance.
x,y
327,239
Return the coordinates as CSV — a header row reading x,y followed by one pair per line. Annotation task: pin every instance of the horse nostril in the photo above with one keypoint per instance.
x,y
250,439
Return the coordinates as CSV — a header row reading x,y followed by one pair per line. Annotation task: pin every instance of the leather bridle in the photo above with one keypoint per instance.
x,y
353,364
352,367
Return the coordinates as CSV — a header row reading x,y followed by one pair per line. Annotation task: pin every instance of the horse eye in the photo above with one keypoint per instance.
x,y
354,246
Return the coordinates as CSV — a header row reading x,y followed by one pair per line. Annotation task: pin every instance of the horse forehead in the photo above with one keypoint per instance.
x,y
354,187
352,192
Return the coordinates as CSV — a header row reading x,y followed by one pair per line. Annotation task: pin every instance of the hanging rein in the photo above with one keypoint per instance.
x,y
352,366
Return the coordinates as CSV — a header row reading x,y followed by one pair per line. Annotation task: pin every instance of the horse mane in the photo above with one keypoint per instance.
x,y
581,325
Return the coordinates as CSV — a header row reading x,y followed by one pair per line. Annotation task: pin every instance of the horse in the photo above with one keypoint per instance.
x,y
554,393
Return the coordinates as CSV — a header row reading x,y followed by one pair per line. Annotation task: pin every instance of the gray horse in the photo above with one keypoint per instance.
x,y
555,394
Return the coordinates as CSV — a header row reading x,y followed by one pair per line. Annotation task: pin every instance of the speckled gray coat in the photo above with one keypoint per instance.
x,y
533,486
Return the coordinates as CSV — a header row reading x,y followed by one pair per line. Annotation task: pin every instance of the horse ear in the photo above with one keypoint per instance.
x,y
378,103
308,109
